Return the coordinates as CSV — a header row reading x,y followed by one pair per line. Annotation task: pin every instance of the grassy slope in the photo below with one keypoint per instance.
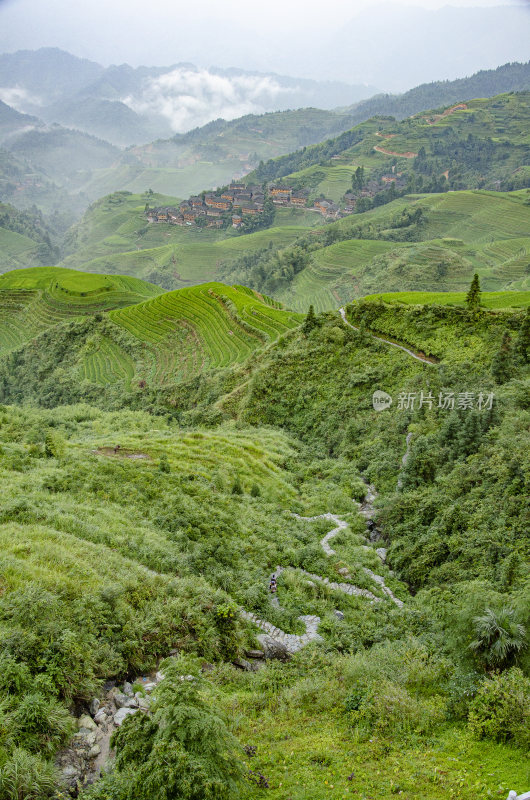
x,y
114,237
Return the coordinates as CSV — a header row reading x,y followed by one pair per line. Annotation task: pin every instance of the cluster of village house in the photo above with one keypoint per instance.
x,y
241,201
238,199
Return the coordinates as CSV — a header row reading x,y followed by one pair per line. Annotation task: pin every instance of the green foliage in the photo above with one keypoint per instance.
x,y
499,638
24,776
502,367
473,295
501,709
183,750
310,321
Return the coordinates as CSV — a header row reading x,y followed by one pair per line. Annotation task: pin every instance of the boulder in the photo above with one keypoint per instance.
x,y
86,722
94,706
128,689
272,648
339,614
254,653
94,751
381,552
159,677
148,687
101,716
242,664
144,702
124,701
120,715
343,571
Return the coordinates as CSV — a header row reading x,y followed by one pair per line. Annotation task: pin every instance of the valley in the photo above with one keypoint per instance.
x,y
265,476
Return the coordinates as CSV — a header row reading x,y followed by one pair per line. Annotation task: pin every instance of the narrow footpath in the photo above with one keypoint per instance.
x,y
411,353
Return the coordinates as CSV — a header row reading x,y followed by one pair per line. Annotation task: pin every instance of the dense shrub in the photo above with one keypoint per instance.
x,y
501,709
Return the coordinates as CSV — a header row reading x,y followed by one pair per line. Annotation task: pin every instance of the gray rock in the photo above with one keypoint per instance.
x,y
254,653
69,772
381,552
120,715
148,687
101,716
128,689
144,703
159,677
94,751
86,722
339,614
343,571
272,648
124,701
242,664
94,706
90,738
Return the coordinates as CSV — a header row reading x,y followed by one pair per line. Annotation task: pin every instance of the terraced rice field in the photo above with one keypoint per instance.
x,y
32,300
190,259
476,216
317,285
107,363
492,300
204,327
16,250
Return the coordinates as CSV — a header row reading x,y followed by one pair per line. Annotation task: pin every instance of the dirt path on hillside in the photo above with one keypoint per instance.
x,y
408,154
418,356
437,117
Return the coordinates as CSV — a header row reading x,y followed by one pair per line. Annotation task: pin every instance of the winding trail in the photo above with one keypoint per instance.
x,y
423,359
294,642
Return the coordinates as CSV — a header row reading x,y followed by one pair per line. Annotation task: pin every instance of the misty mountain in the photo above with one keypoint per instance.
x,y
486,83
12,121
107,119
127,105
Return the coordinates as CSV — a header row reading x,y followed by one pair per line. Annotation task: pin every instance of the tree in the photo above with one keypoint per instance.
x,y
310,321
473,295
499,638
357,180
522,343
502,363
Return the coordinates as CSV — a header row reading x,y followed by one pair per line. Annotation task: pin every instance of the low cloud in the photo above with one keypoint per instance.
x,y
189,98
19,98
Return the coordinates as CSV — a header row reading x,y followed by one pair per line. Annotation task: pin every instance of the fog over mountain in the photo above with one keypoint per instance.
x,y
129,105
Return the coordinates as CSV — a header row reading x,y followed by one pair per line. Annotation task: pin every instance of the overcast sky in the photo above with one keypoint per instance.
x,y
272,35
161,32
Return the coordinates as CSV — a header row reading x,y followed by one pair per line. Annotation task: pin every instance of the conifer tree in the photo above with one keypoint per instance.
x,y
473,296
310,320
502,364
522,343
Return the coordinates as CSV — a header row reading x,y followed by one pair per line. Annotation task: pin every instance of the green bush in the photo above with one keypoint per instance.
x,y
40,724
26,777
183,751
387,709
501,709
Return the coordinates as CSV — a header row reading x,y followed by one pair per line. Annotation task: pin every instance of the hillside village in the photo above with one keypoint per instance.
x,y
230,206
